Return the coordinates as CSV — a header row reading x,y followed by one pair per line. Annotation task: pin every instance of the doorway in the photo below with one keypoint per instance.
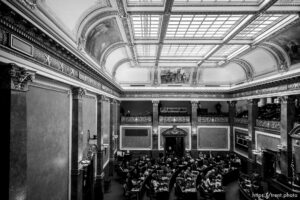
x,y
176,143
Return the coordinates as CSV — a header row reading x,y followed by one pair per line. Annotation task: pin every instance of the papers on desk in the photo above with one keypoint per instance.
x,y
135,189
190,190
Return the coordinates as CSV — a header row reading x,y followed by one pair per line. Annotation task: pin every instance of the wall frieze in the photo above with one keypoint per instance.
x,y
13,24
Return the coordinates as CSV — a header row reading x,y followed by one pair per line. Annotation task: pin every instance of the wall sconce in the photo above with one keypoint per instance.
x,y
89,136
116,136
84,163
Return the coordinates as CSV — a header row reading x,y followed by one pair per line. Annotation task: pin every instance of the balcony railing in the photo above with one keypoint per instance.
x,y
213,119
241,120
137,119
174,119
275,125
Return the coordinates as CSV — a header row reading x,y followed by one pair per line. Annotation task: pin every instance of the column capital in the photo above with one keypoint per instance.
x,y
101,98
252,101
78,92
286,99
231,103
155,102
194,104
16,78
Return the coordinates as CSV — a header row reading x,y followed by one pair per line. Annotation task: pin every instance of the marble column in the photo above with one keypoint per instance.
x,y
14,82
287,118
99,185
155,144
252,116
77,139
194,106
232,112
111,136
118,125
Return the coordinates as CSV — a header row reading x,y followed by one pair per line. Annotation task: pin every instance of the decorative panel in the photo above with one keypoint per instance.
x,y
213,138
136,137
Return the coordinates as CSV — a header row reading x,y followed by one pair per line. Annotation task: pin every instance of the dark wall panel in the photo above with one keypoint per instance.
x,y
48,144
105,120
214,138
89,121
136,137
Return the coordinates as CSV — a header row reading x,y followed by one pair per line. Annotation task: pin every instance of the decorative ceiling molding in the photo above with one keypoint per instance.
x,y
87,24
118,64
247,67
125,21
283,59
109,50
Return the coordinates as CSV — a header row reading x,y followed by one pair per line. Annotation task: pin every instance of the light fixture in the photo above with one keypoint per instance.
x,y
85,162
89,136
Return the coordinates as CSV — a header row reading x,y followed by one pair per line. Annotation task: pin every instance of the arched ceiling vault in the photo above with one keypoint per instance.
x,y
184,38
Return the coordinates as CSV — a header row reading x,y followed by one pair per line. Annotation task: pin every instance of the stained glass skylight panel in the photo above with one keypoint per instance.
x,y
260,25
185,50
145,2
146,50
201,26
145,26
226,50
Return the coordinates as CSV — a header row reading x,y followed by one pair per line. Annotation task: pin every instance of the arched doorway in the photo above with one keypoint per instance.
x,y
174,138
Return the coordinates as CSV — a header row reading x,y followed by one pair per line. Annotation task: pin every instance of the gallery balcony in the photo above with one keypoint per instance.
x,y
213,120
268,124
136,120
174,119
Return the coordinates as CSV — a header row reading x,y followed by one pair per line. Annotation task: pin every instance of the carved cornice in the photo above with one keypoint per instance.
x,y
78,92
15,78
29,3
52,54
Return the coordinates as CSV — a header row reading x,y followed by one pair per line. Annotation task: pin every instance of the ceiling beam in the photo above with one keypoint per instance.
x,y
191,41
163,30
125,21
213,10
262,9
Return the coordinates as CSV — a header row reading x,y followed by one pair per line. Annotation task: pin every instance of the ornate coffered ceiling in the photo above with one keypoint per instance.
x,y
171,44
